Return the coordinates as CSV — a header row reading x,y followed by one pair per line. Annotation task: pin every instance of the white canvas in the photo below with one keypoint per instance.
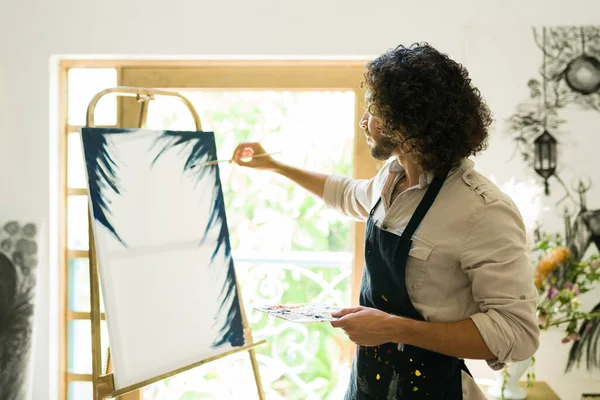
x,y
163,249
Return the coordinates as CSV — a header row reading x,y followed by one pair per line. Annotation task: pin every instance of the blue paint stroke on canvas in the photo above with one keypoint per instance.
x,y
101,168
193,148
203,149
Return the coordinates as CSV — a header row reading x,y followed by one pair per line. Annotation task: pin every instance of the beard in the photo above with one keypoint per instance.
x,y
383,147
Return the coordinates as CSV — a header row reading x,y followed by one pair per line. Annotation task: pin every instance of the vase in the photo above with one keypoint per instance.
x,y
512,390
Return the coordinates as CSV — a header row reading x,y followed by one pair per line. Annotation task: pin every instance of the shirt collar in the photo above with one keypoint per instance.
x,y
427,176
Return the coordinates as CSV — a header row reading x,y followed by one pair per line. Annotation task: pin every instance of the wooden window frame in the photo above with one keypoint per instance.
x,y
335,75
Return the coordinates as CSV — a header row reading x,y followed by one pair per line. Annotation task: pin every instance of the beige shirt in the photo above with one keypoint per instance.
x,y
469,255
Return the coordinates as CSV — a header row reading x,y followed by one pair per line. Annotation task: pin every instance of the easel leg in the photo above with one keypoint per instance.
x,y
95,314
256,370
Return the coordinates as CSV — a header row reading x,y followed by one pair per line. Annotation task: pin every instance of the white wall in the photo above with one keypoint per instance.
x,y
502,59
32,31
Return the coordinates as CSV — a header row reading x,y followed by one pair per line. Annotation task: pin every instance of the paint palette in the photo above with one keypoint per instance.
x,y
301,313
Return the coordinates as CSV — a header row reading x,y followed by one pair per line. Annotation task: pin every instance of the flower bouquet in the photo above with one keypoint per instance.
x,y
561,277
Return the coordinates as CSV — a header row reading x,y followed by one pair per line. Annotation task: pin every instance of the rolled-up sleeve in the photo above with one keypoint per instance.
x,y
495,259
353,197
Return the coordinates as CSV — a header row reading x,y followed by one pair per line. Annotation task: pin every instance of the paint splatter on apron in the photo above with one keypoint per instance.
x,y
396,371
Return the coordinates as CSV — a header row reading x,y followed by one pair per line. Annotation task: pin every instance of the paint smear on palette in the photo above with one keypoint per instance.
x,y
302,313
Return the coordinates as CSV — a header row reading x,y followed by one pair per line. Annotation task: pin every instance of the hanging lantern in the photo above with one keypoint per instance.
x,y
544,161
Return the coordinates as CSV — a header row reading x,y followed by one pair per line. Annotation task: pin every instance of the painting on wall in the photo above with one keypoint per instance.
x,y
18,266
568,78
563,101
163,250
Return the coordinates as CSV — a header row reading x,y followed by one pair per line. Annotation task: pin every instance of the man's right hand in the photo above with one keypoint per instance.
x,y
246,154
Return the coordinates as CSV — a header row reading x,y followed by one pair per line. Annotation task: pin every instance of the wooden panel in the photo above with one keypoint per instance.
x,y
137,395
77,254
62,236
332,77
365,167
77,191
72,315
78,377
199,63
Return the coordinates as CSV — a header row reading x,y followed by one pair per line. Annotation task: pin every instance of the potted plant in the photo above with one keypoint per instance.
x,y
560,278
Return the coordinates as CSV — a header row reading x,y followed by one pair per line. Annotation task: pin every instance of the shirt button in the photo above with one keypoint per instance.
x,y
384,226
469,176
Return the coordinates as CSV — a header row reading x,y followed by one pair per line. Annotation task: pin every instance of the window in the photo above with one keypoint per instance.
x,y
287,246
75,368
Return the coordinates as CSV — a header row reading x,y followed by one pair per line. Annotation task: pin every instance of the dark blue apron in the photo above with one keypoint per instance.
x,y
395,371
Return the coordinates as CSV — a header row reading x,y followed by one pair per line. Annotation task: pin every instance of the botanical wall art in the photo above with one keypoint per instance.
x,y
18,267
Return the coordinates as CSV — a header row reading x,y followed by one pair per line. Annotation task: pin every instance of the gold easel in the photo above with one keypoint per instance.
x,y
103,384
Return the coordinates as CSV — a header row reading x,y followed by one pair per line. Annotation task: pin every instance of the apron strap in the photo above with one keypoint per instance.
x,y
424,205
463,367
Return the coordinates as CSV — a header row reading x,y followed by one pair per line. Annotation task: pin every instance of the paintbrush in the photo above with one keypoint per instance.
x,y
230,160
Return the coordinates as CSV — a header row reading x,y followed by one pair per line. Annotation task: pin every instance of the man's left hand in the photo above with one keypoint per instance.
x,y
366,326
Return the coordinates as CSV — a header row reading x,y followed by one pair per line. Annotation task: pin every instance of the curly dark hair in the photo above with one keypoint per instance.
x,y
428,106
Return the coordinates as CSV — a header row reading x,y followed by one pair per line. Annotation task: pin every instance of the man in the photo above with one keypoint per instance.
x,y
446,273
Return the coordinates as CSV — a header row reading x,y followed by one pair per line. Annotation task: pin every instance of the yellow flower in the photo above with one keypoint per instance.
x,y
539,281
560,255
552,261
546,266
